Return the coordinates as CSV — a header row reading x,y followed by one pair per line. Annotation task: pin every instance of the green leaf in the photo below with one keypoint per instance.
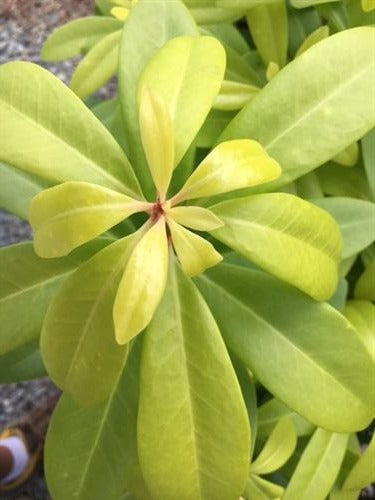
x,y
258,488
278,448
207,12
357,16
23,363
78,339
194,252
268,25
231,165
17,190
301,23
197,218
141,39
355,219
91,452
213,126
234,95
361,315
362,474
229,35
368,154
335,13
109,113
365,286
293,346
157,139
50,132
285,235
301,4
70,214
191,446
272,411
142,284
27,284
338,299
316,36
318,467
77,37
303,136
308,186
349,156
336,181
97,67
188,86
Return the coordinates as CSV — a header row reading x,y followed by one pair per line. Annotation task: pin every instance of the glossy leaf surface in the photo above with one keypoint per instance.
x,y
285,235
304,136
231,165
70,214
182,390
142,285
51,133
294,346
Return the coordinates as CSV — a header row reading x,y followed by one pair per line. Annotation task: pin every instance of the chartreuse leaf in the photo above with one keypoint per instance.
x,y
197,218
97,67
349,156
303,136
294,346
183,387
258,488
355,219
188,86
78,340
142,285
368,154
229,35
51,133
362,474
120,13
80,437
231,165
272,411
142,38
365,286
368,5
301,4
70,214
194,252
278,448
17,190
268,25
234,95
157,139
316,36
287,236
207,12
23,363
27,283
318,467
361,315
77,36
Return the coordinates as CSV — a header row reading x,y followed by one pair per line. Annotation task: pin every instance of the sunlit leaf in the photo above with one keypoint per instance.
x,y
287,236
231,165
186,374
194,252
157,139
197,218
120,13
70,214
142,285
361,314
316,36
368,5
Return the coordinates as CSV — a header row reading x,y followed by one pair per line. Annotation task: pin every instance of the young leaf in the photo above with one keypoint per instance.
x,y
279,447
268,25
120,13
157,139
141,39
368,5
349,156
361,315
197,218
316,36
142,285
23,363
27,284
70,214
272,411
51,133
303,136
365,286
258,488
182,390
78,339
77,36
287,236
355,219
186,74
318,467
97,67
231,165
301,337
234,95
79,438
362,474
194,252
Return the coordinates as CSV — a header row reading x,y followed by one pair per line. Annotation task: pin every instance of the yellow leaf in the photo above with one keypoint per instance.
x,y
197,218
157,139
368,5
272,70
120,13
231,165
142,285
194,253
